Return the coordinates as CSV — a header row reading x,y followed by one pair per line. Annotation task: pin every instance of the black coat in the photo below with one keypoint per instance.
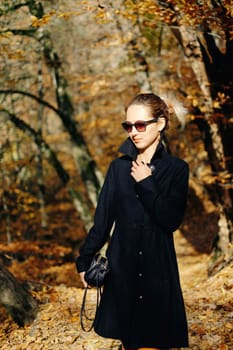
x,y
142,303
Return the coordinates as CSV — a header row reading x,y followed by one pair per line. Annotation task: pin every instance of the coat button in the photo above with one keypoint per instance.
x,y
140,274
140,297
140,252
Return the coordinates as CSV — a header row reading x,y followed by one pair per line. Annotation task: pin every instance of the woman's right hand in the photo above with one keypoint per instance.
x,y
82,274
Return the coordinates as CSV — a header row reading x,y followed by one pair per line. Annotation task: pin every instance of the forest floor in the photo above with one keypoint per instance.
x,y
49,269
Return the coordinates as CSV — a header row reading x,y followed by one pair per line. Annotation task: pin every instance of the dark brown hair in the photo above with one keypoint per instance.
x,y
156,105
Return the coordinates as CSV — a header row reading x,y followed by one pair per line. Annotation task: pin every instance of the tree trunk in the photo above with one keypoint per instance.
x,y
40,169
16,299
89,173
213,72
214,128
42,145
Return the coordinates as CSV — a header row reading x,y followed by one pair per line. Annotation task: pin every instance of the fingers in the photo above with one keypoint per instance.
x,y
82,274
140,170
137,166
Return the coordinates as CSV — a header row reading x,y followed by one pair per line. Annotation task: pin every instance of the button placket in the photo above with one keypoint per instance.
x,y
140,275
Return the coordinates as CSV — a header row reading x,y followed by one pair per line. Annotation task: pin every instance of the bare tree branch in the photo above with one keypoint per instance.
x,y
34,97
19,123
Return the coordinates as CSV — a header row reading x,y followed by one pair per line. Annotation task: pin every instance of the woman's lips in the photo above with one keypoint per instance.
x,y
136,140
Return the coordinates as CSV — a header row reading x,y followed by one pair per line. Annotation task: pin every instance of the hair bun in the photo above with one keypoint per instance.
x,y
176,107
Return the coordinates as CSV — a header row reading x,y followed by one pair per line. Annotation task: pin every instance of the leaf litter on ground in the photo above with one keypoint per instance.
x,y
209,305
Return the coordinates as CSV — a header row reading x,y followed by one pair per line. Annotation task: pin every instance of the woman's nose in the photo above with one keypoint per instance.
x,y
134,130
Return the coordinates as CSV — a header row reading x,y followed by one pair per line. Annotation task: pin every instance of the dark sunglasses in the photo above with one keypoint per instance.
x,y
140,125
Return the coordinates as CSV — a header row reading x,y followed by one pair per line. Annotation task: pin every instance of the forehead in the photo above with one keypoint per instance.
x,y
138,112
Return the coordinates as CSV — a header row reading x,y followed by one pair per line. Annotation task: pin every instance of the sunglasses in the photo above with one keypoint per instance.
x,y
139,125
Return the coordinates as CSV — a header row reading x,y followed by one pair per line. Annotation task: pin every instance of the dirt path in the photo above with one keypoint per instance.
x,y
192,264
209,300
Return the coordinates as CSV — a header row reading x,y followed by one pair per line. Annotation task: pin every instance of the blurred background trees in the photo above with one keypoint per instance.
x,y
68,68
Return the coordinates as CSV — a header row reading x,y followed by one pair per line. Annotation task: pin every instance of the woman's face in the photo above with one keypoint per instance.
x,y
149,137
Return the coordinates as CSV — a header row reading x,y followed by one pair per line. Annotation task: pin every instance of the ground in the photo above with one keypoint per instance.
x,y
209,305
47,265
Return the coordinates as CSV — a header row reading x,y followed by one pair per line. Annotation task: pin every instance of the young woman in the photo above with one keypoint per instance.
x,y
144,194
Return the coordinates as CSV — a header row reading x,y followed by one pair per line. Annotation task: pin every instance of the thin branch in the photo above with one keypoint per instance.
x,y
34,97
22,125
26,32
13,8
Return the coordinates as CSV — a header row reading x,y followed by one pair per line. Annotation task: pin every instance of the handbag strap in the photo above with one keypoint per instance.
x,y
83,313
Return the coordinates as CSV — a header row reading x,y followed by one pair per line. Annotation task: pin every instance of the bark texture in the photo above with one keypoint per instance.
x,y
16,298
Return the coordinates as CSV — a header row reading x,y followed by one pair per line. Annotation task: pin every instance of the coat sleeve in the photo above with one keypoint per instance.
x,y
166,209
103,222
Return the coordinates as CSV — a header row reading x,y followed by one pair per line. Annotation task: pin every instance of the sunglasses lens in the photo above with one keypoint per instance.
x,y
127,126
140,126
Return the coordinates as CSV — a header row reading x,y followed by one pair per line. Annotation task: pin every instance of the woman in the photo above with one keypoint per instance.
x,y
144,194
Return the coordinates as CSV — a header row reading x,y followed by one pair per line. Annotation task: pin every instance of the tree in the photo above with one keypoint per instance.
x,y
118,49
16,298
86,166
203,30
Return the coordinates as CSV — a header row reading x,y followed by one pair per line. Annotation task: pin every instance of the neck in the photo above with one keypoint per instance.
x,y
147,154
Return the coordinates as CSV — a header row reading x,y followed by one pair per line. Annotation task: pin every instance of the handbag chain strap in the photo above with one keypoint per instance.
x,y
83,313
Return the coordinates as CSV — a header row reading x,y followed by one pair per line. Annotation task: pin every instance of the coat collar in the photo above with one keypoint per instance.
x,y
128,148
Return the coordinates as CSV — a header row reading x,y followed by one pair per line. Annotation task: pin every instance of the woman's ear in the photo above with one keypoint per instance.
x,y
161,124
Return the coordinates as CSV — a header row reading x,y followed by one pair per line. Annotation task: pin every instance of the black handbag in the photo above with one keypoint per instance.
x,y
97,272
95,276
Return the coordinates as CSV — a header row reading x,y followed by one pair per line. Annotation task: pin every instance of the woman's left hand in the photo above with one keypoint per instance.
x,y
140,170
82,274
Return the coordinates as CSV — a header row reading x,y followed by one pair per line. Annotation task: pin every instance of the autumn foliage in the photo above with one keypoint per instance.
x,y
68,68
